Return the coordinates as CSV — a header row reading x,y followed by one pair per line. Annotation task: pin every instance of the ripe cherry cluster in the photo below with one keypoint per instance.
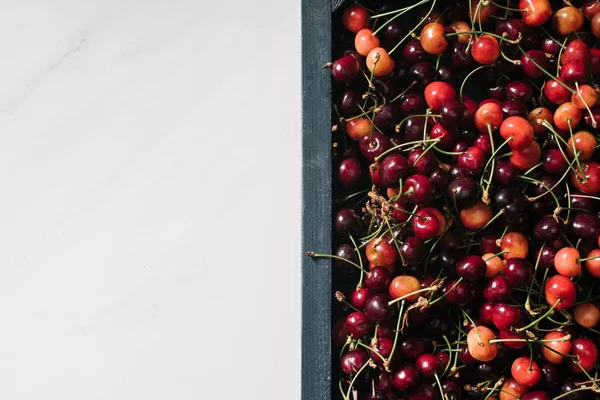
x,y
467,193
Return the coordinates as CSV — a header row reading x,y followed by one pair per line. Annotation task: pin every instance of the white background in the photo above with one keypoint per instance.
x,y
149,199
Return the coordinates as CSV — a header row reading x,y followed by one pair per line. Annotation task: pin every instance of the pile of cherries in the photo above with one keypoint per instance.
x,y
467,193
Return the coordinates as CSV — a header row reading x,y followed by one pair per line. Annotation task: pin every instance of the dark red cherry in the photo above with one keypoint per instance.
x,y
347,222
353,361
349,102
533,63
406,377
413,52
345,69
377,308
378,280
384,348
585,226
519,91
554,161
411,103
359,297
504,315
428,365
424,392
506,174
382,381
392,33
421,161
349,172
508,334
412,130
372,145
392,169
497,289
357,324
452,112
471,268
514,108
485,313
463,191
483,142
459,57
418,189
573,71
413,250
439,178
518,272
548,229
423,73
551,46
537,395
547,256
445,74
385,117
456,292
472,159
412,348
487,243
346,252
512,28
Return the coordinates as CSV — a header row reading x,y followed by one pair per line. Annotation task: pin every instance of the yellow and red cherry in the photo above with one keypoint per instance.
x,y
567,115
526,158
478,344
583,143
566,262
567,20
404,285
555,347
518,130
535,12
365,41
432,38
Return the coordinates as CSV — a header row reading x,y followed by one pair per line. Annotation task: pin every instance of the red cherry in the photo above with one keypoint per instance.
x,y
486,50
587,355
426,225
587,180
428,365
359,297
537,12
405,378
560,287
353,361
380,252
488,114
573,71
557,344
355,17
525,371
357,324
518,130
555,92
437,93
505,316
527,157
508,334
567,115
418,189
472,160
497,289
576,50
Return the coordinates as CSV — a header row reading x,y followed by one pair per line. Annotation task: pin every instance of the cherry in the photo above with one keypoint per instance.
x,y
422,162
567,20
355,18
510,336
345,252
453,114
377,309
412,348
472,159
547,229
385,117
554,162
392,33
584,98
384,348
414,53
353,361
392,169
373,145
357,324
557,288
586,315
358,128
533,63
481,11
437,93
461,26
487,243
447,137
567,389
379,62
584,144
484,143
595,25
535,12
403,285
348,103
456,292
573,71
576,50
401,211
464,191
485,313
440,217
587,182
478,344
537,395
567,263
495,265
518,272
555,346
411,103
519,91
382,381
365,41
512,390
424,392
359,297
378,279
585,225
432,38
476,217
425,225
527,157
516,245
525,371
506,174
347,222
497,289
591,8
536,117
513,108
505,316
428,365
555,92
380,252
345,69
518,130
405,378
349,172
413,250
472,268
593,266
586,354
418,189
486,50
551,46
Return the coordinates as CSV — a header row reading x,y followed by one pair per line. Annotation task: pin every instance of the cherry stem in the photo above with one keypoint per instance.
x,y
397,332
342,299
535,268
491,160
536,321
437,379
404,92
413,29
571,391
415,115
360,261
544,71
399,13
400,10
388,151
496,255
355,377
447,292
460,92
594,124
587,259
372,349
427,289
315,255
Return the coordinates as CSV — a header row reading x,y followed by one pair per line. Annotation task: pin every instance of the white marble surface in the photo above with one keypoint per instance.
x,y
138,258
